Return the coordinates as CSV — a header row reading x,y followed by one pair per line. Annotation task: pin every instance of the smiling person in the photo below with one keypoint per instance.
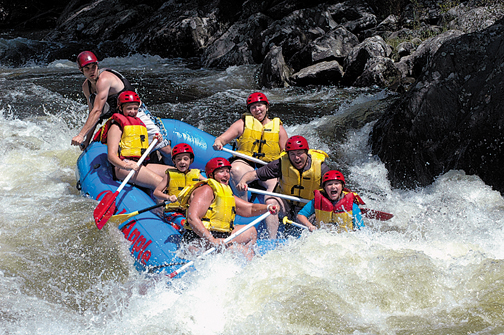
x,y
335,205
101,88
175,180
211,208
257,136
127,139
299,171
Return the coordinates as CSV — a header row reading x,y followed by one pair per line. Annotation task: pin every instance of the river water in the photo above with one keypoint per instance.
x,y
436,268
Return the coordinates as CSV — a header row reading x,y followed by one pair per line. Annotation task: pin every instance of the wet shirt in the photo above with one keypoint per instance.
x,y
274,169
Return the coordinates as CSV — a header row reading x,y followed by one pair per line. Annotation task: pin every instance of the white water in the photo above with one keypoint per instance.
x,y
435,268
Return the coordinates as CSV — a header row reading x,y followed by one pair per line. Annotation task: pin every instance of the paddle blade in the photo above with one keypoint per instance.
x,y
377,215
120,218
105,209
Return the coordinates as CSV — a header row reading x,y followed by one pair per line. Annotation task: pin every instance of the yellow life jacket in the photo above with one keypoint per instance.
x,y
134,139
221,213
339,214
178,181
301,186
260,141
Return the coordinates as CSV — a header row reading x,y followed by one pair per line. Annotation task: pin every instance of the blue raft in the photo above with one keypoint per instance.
x,y
154,242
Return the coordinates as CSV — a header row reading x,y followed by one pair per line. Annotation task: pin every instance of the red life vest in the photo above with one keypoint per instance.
x,y
339,214
134,139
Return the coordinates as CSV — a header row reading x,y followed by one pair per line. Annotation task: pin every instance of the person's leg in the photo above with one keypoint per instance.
x,y
238,169
272,221
153,129
269,184
144,177
245,241
159,169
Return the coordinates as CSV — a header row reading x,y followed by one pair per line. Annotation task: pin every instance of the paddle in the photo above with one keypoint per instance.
x,y
247,157
227,240
374,214
369,213
120,218
107,207
299,225
288,197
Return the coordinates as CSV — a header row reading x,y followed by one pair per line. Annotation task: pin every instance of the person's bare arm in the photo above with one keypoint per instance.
x,y
282,141
245,180
234,131
159,190
248,209
304,220
102,88
113,139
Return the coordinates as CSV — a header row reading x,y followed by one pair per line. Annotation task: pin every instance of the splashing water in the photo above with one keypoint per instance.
x,y
436,267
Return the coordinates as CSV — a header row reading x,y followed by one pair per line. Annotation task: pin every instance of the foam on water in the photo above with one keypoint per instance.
x,y
436,267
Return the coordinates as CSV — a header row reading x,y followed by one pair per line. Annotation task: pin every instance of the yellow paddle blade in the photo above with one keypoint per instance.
x,y
285,220
120,218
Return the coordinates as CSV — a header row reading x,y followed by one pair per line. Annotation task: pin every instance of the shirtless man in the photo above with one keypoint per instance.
x,y
101,89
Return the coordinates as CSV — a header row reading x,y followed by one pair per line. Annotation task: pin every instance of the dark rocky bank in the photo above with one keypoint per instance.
x,y
444,57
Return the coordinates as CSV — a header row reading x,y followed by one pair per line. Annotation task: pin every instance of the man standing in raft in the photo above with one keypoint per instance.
x,y
258,136
299,170
211,208
127,139
101,89
334,206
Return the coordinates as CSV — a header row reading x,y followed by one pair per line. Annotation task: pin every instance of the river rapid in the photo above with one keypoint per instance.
x,y
436,268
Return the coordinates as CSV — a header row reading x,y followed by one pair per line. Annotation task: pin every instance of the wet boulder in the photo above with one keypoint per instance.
x,y
451,118
334,45
357,59
322,73
274,71
238,45
378,71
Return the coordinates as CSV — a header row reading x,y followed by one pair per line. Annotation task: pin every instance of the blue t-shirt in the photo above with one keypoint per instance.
x,y
309,209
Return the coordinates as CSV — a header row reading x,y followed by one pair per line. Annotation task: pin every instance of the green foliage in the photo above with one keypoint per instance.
x,y
445,6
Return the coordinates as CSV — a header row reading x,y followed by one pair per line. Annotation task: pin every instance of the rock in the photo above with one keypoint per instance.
x,y
323,73
380,71
335,45
425,51
356,60
451,118
354,15
236,46
405,48
274,72
470,20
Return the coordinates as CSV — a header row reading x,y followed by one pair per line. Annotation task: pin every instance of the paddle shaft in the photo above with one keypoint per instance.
x,y
288,197
227,240
370,213
106,207
299,225
140,161
247,157
120,218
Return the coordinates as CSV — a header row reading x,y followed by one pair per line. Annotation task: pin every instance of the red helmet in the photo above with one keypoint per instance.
x,y
296,143
85,58
127,96
182,148
256,97
216,163
333,175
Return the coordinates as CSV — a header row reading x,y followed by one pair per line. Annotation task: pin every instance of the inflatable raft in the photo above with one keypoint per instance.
x,y
154,242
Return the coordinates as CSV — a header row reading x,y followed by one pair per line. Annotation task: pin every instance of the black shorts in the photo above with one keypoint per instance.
x,y
190,235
